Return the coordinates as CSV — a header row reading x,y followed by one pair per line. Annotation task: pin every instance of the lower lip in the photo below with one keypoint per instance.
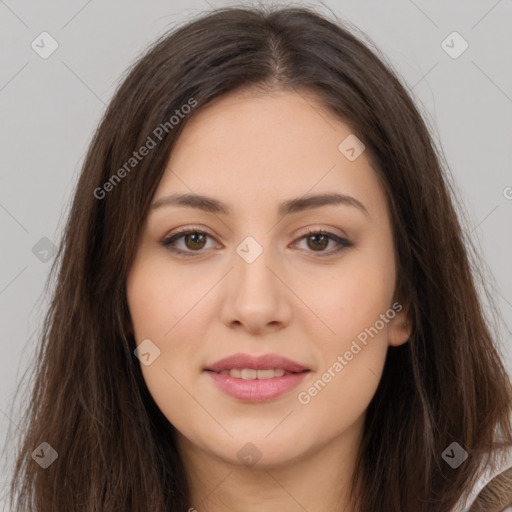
x,y
256,390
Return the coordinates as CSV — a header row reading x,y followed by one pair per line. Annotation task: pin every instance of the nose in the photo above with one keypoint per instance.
x,y
256,297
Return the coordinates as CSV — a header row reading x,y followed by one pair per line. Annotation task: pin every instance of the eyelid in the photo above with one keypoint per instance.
x,y
326,230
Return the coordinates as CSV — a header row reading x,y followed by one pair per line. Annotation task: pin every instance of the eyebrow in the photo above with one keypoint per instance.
x,y
211,205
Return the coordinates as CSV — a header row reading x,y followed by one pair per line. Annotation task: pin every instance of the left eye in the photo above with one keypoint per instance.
x,y
195,241
320,240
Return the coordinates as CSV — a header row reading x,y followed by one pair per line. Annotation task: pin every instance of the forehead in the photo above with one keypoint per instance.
x,y
266,146
259,126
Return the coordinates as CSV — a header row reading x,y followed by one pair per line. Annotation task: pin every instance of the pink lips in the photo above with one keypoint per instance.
x,y
256,362
256,390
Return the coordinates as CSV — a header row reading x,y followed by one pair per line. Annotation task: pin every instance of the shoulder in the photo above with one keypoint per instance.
x,y
493,490
496,495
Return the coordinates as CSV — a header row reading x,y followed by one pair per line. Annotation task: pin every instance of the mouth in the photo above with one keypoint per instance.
x,y
250,378
253,374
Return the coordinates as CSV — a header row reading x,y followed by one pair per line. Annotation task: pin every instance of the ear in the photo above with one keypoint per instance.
x,y
400,328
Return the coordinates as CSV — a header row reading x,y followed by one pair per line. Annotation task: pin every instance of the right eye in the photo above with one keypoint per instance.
x,y
194,240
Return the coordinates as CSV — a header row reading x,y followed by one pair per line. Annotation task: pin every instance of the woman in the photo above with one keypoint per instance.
x,y
207,349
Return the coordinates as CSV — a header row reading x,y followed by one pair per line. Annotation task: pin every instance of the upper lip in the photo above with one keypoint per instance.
x,y
263,362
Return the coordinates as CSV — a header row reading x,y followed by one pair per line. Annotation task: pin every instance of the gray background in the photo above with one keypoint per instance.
x,y
50,107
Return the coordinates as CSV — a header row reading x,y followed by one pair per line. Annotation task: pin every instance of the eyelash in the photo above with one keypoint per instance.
x,y
342,242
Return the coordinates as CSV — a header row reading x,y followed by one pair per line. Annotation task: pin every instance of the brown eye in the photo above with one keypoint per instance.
x,y
193,241
197,241
318,241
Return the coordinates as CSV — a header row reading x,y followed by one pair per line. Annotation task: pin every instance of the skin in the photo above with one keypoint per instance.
x,y
253,151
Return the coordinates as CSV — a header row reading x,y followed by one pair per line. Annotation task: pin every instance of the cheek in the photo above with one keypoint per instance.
x,y
354,295
165,305
352,356
159,299
161,305
356,307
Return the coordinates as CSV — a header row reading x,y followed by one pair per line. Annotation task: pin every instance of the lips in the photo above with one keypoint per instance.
x,y
256,378
264,362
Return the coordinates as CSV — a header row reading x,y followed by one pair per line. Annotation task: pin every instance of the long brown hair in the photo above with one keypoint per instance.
x,y
116,450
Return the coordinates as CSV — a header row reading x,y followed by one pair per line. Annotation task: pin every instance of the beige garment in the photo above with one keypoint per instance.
x,y
486,476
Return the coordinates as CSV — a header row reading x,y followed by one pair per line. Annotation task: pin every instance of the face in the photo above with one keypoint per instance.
x,y
313,283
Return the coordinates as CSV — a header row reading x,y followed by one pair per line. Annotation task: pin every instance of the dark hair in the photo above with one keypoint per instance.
x,y
117,451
